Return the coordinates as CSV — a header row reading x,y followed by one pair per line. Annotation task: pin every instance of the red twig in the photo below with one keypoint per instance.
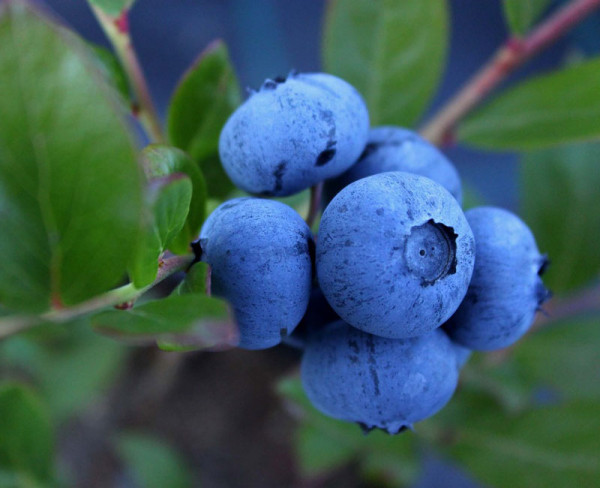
x,y
506,59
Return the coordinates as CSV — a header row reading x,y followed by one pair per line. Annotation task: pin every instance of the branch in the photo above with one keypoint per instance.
x,y
14,324
507,59
117,31
315,203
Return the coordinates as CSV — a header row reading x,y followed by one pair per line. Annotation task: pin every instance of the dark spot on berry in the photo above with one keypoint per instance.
x,y
278,174
325,157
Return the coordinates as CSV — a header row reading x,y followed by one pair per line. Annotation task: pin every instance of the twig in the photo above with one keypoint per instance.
x,y
507,58
13,324
315,203
117,31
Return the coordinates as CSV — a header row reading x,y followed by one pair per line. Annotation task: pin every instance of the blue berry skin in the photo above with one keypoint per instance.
x,y
377,382
463,354
294,133
394,254
391,148
260,255
506,289
319,314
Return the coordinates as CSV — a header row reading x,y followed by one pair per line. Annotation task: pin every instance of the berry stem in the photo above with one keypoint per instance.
x,y
315,203
514,53
127,293
117,31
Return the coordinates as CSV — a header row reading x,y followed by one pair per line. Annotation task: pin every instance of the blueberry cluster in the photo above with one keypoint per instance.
x,y
398,286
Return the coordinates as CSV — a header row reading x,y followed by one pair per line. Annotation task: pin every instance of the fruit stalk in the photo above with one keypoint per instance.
x,y
117,31
14,324
515,52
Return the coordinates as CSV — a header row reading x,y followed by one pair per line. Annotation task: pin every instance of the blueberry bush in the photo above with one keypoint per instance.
x,y
318,215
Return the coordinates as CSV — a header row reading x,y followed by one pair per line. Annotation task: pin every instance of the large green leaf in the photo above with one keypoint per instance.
x,y
521,14
323,444
70,185
393,52
190,321
113,72
168,206
547,110
113,7
161,160
205,97
26,443
152,463
551,446
560,192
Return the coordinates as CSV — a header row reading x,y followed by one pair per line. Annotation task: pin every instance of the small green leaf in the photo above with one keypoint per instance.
x,y
547,110
323,444
205,97
70,183
152,462
168,206
392,52
194,281
563,359
551,446
26,443
112,70
560,190
113,7
189,321
522,14
161,160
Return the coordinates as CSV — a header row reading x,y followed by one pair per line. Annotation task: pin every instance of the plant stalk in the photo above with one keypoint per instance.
x,y
14,324
507,59
117,31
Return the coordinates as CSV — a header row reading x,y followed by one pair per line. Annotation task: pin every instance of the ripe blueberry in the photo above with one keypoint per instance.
x,y
294,133
377,382
392,148
260,255
394,254
506,289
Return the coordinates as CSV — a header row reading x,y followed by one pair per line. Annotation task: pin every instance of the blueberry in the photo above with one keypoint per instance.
x,y
392,148
506,289
260,255
377,382
318,315
294,133
394,254
463,354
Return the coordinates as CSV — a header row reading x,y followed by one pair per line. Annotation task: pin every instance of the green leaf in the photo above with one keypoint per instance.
x,y
113,7
562,358
70,184
26,443
168,206
195,280
205,97
70,364
188,322
552,109
113,72
551,446
392,52
522,14
560,188
161,160
323,444
152,462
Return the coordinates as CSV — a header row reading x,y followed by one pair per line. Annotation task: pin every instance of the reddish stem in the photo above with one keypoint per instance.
x,y
507,58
